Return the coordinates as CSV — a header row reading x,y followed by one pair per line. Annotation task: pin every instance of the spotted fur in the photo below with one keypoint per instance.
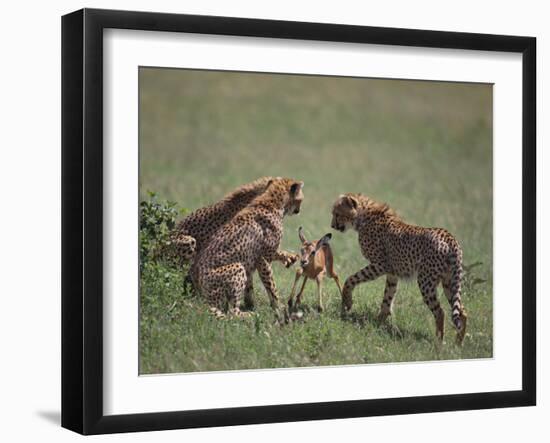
x,y
193,232
400,250
248,242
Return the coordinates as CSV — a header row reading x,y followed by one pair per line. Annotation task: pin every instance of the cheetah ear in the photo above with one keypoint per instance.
x,y
295,187
350,201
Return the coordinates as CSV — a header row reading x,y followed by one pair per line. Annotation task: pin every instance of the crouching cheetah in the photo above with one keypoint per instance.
x,y
249,242
400,250
192,233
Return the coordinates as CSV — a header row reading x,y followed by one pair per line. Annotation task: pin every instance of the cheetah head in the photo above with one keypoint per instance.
x,y
186,248
180,250
284,193
344,212
295,195
296,198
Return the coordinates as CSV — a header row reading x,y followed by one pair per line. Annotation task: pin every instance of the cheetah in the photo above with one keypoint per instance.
x,y
399,250
249,242
191,234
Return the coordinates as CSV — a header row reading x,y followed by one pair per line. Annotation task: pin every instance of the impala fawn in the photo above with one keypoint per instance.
x,y
316,260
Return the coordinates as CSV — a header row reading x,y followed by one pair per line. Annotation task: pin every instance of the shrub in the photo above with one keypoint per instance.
x,y
163,284
156,221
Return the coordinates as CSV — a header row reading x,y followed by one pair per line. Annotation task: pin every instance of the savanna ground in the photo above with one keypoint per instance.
x,y
423,147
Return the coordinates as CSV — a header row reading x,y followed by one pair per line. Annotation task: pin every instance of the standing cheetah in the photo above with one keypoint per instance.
x,y
399,250
248,242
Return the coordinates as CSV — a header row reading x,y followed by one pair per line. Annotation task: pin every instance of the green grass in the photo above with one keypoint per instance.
x,y
423,147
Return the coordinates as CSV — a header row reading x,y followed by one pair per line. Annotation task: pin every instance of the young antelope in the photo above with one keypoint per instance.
x,y
316,260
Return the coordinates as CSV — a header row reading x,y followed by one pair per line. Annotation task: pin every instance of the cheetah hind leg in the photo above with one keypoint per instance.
x,y
229,284
236,312
249,304
218,303
217,312
231,312
237,283
427,286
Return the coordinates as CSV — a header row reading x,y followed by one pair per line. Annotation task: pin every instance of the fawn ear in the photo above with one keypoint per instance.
x,y
301,235
324,240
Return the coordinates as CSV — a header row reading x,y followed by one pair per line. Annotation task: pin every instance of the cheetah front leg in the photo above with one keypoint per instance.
x,y
389,294
266,276
366,274
286,258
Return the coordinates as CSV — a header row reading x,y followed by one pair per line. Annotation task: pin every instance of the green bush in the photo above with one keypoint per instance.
x,y
163,285
156,221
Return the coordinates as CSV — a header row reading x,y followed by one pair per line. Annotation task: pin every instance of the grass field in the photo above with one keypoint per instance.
x,y
423,147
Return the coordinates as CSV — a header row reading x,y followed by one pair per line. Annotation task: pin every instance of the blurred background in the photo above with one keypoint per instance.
x,y
423,147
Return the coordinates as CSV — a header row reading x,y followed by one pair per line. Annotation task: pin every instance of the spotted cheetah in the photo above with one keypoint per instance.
x,y
400,250
249,242
192,233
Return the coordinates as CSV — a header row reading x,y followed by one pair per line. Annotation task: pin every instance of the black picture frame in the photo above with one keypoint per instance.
x,y
82,219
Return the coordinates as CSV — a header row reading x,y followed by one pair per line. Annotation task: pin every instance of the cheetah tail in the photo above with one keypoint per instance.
x,y
455,261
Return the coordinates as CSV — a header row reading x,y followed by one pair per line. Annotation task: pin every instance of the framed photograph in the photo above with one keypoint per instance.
x,y
268,221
